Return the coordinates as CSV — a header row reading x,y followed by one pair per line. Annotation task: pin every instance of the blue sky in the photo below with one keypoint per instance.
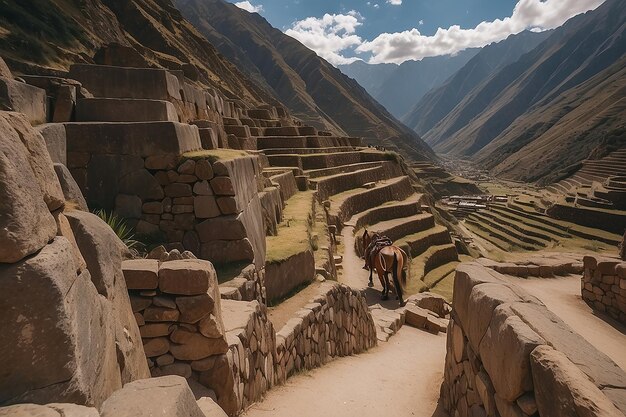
x,y
397,30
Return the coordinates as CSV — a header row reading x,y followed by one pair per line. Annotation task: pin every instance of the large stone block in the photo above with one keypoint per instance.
x,y
482,301
119,82
54,136
142,184
187,277
71,190
283,277
23,98
138,139
26,224
468,275
562,389
38,157
505,353
599,367
141,274
103,174
165,396
63,344
125,110
192,346
223,252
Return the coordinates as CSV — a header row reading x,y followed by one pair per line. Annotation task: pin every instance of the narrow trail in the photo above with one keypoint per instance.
x,y
562,297
398,378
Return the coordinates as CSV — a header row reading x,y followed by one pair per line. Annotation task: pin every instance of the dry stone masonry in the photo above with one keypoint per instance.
x,y
603,286
508,355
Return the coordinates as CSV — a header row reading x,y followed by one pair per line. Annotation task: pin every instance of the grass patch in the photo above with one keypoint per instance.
x,y
214,155
294,231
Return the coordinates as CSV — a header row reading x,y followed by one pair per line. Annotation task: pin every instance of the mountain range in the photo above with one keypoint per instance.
x,y
314,91
400,87
220,46
551,108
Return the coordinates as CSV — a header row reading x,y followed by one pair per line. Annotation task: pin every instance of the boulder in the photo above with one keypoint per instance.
x,y
54,136
505,352
64,342
165,396
102,251
71,190
210,408
467,276
38,157
26,224
48,410
64,229
5,72
562,389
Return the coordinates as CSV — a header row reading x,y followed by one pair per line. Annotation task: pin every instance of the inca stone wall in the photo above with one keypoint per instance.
x,y
603,286
508,355
178,309
337,323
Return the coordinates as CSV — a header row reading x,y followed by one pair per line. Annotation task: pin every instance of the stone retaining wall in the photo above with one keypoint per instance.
x,y
196,203
338,183
337,323
603,286
178,309
535,267
508,355
614,222
285,276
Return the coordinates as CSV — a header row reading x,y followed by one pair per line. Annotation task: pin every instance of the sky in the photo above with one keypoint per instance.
x,y
394,31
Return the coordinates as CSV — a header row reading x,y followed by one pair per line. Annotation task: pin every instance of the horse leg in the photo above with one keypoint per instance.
x,y
384,293
371,283
396,279
388,283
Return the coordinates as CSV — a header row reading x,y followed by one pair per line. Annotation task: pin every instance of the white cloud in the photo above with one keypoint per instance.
x,y
249,7
395,2
528,14
334,37
329,35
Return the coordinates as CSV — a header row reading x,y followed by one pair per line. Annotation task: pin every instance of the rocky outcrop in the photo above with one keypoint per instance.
x,y
66,307
604,286
508,355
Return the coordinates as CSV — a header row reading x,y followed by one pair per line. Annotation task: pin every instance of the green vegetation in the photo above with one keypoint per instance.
x,y
121,229
294,233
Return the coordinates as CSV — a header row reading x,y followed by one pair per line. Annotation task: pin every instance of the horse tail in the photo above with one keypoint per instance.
x,y
396,277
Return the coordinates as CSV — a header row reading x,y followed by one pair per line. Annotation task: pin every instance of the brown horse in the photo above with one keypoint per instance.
x,y
390,259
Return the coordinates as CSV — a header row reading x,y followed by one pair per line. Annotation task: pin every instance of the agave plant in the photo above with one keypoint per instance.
x,y
123,231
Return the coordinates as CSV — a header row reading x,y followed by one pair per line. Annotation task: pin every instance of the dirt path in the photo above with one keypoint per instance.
x,y
562,296
398,378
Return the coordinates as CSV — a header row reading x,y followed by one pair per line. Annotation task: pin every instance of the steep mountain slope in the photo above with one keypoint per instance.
x,y
436,104
46,36
400,87
310,87
544,81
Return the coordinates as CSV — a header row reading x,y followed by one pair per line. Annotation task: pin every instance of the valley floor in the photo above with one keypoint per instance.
x,y
398,378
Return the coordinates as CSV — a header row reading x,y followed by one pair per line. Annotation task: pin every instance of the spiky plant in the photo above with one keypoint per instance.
x,y
123,231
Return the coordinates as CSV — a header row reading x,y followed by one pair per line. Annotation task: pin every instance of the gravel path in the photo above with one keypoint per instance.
x,y
398,378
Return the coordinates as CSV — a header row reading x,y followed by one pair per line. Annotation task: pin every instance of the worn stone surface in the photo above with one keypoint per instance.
x,y
164,396
210,408
188,277
55,139
68,317
141,274
562,389
71,190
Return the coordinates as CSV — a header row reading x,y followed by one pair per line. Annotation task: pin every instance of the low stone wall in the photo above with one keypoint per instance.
x,y
357,203
614,222
338,183
603,286
337,323
288,274
178,309
380,214
546,268
286,182
508,355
